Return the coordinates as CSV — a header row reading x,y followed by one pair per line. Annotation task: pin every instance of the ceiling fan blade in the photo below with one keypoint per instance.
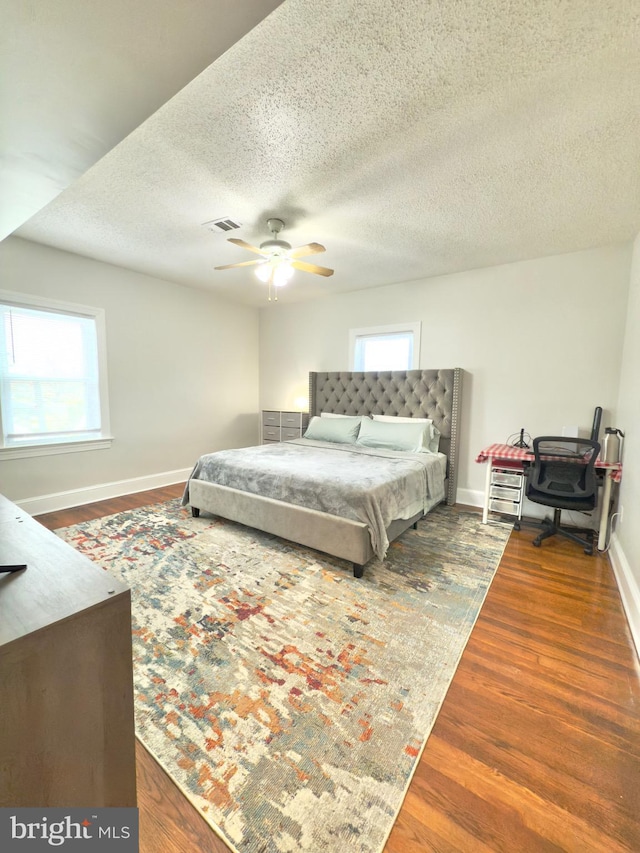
x,y
309,249
302,265
248,246
241,264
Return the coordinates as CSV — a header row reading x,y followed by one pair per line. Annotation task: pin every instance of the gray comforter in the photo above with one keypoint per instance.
x,y
369,485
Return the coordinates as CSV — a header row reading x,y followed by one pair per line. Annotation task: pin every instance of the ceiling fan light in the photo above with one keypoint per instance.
x,y
282,273
279,260
263,271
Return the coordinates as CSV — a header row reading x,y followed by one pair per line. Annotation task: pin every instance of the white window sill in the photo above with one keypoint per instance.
x,y
24,451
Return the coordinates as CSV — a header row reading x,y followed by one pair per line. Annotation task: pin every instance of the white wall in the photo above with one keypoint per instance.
x,y
625,550
183,376
540,343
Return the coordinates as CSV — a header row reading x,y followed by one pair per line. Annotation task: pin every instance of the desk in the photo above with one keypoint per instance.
x,y
66,685
496,453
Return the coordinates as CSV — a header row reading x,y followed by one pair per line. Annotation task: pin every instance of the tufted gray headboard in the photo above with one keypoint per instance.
x,y
431,394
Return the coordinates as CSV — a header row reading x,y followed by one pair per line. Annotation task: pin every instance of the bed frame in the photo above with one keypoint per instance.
x,y
431,394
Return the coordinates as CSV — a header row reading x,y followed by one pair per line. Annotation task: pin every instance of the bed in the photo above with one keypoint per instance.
x,y
432,394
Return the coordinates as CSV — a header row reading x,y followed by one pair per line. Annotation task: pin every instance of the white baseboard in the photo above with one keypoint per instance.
x,y
473,497
469,497
91,494
629,590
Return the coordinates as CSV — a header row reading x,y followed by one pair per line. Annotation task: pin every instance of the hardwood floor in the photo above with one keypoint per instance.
x,y
537,745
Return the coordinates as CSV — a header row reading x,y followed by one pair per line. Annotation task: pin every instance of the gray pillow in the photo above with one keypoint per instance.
x,y
341,430
431,440
389,435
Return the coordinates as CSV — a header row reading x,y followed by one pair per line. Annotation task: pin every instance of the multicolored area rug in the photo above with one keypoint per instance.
x,y
287,699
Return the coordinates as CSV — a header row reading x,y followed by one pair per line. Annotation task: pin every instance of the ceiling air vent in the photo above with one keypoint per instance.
x,y
223,224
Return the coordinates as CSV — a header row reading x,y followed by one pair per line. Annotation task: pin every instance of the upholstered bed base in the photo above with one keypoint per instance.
x,y
431,394
340,537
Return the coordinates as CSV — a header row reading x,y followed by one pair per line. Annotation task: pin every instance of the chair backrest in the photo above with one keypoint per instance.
x,y
564,467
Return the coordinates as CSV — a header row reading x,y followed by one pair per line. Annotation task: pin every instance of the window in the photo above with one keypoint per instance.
x,y
385,347
52,377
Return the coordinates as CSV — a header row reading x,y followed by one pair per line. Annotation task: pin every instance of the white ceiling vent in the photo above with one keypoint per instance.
x,y
222,225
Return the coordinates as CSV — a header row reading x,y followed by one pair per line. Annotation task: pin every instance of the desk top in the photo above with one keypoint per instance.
x,y
57,583
508,451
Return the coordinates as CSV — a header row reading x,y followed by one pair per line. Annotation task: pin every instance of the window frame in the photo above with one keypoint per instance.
x,y
47,447
392,329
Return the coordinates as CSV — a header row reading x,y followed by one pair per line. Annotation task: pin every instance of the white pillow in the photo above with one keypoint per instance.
x,y
332,415
431,440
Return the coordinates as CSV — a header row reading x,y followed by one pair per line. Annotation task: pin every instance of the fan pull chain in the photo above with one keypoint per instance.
x,y
271,290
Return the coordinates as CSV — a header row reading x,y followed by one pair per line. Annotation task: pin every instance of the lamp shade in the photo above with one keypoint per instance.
x,y
277,270
282,272
263,271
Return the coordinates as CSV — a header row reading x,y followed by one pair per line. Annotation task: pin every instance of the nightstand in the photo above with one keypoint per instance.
x,y
282,426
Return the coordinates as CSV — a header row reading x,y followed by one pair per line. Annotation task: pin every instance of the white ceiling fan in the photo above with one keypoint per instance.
x,y
278,258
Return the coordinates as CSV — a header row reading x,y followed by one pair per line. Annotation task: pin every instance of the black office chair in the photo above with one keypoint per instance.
x,y
563,477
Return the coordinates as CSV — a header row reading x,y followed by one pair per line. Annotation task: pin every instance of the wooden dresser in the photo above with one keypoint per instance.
x,y
66,684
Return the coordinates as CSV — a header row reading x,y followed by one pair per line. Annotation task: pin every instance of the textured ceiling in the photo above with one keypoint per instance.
x,y
76,76
412,139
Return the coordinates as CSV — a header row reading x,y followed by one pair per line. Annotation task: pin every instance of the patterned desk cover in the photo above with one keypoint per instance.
x,y
509,452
